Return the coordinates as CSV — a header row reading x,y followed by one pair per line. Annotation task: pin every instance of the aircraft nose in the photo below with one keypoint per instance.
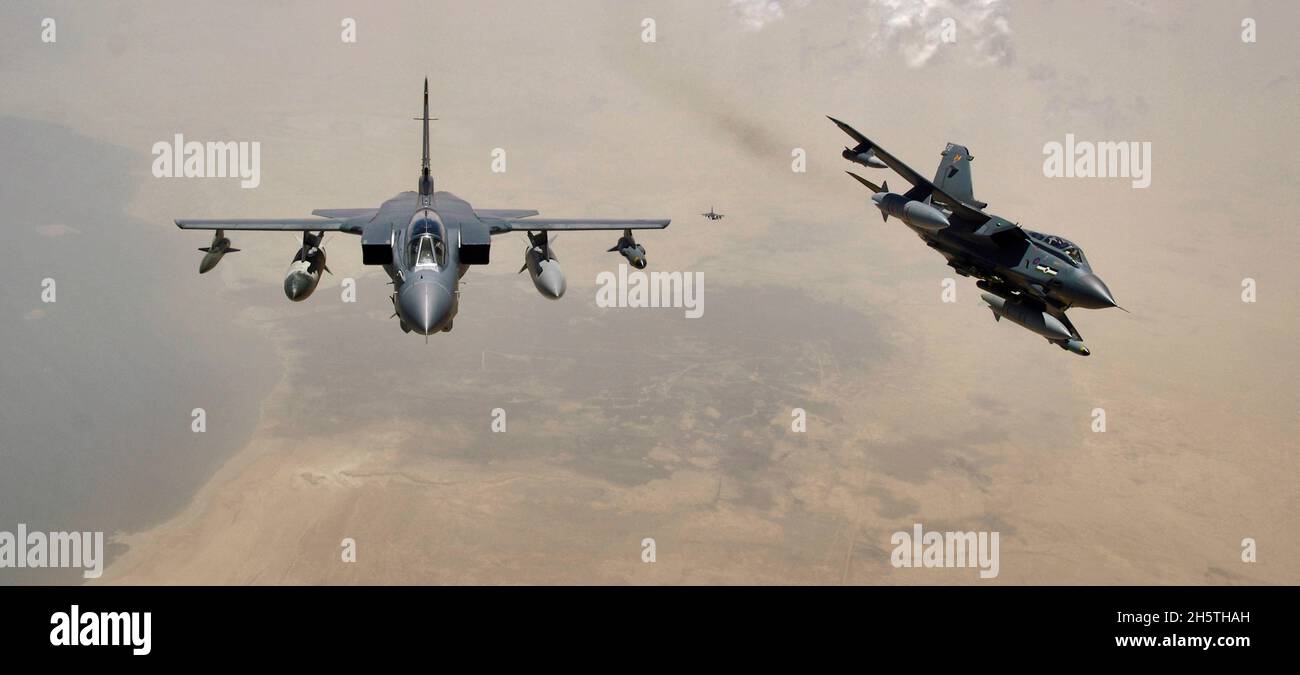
x,y
1090,292
638,262
209,261
425,306
551,282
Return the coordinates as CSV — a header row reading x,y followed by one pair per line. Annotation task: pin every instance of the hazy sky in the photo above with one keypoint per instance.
x,y
627,424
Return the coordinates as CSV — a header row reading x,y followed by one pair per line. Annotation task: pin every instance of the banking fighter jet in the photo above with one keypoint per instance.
x,y
1027,277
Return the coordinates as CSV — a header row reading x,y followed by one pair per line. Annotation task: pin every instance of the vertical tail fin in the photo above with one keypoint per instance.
x,y
953,175
424,160
426,180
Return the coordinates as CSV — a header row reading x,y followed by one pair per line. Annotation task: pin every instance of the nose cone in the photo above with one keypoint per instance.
x,y
1077,347
637,260
1088,291
209,261
425,306
550,282
298,285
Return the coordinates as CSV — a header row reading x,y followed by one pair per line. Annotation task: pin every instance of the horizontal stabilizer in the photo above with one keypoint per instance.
x,y
875,189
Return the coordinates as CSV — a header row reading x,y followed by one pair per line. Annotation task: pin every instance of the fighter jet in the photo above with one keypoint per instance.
x,y
713,216
1027,277
426,241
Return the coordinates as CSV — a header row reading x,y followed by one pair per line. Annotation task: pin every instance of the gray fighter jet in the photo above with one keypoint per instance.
x,y
713,216
1027,277
425,241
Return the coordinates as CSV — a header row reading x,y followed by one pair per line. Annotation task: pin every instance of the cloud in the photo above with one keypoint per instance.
x,y
757,14
980,29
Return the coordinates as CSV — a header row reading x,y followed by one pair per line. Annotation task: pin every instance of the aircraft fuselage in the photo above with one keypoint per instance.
x,y
426,267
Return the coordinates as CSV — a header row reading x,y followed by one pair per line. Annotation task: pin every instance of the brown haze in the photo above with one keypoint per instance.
x,y
633,424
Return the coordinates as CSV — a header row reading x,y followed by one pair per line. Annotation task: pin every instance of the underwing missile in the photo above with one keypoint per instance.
x,y
914,213
865,157
628,248
543,267
1027,316
220,246
305,270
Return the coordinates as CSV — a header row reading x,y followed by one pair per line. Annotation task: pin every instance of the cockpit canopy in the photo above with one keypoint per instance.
x,y
1069,248
427,237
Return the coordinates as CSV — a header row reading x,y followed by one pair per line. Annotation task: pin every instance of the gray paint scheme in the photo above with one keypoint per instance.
x,y
1028,277
426,241
712,215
